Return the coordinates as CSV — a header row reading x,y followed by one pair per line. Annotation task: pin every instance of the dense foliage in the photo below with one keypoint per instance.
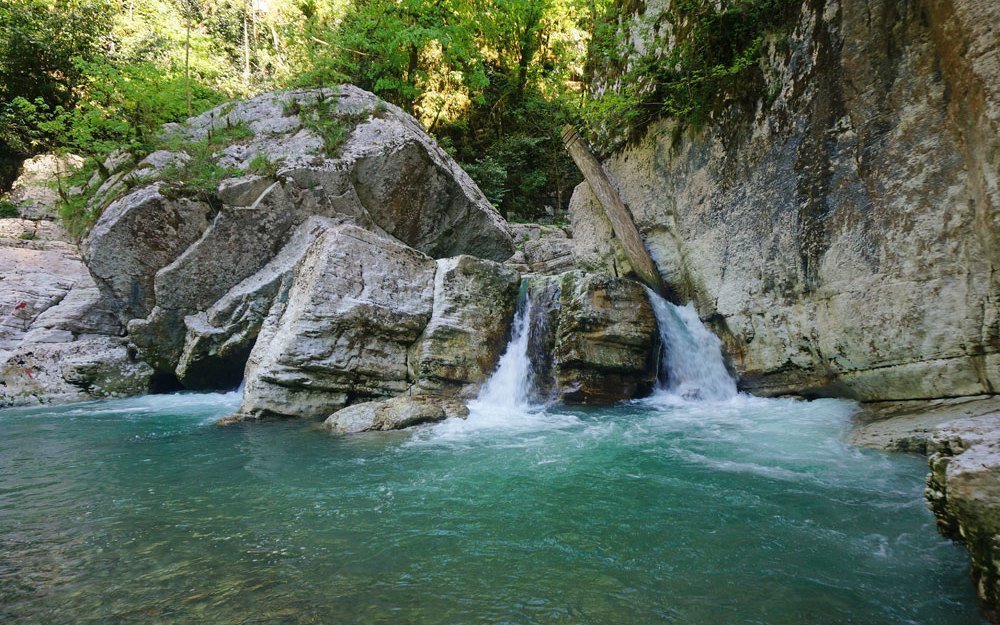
x,y
493,80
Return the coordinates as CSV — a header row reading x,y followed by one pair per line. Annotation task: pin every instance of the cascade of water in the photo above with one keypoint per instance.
x,y
692,366
510,385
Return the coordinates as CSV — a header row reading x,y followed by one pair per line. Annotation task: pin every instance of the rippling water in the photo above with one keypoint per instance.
x,y
745,511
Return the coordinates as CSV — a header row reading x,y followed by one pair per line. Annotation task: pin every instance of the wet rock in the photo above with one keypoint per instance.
x,y
839,223
963,489
474,303
605,348
389,414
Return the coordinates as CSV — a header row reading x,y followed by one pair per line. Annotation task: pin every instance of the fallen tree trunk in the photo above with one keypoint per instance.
x,y
618,214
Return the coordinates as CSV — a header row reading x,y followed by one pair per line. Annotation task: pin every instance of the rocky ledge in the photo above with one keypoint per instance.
x,y
962,439
59,338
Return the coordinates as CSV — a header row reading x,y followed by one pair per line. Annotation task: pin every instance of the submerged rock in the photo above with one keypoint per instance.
x,y
390,414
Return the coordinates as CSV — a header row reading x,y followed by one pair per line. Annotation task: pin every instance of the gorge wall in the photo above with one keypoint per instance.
x,y
840,234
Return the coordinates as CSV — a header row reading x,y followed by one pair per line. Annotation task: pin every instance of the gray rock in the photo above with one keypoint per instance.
x,y
218,341
357,303
606,340
165,260
549,256
35,190
841,232
908,426
59,338
137,236
963,489
388,414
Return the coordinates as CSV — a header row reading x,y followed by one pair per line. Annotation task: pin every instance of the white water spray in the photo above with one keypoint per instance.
x,y
692,355
510,386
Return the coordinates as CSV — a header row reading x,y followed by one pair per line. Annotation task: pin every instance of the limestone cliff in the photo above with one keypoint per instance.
x,y
840,232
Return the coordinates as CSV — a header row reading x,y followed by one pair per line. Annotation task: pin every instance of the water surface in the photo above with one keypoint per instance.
x,y
661,511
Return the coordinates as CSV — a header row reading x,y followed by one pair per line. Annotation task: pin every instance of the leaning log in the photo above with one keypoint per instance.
x,y
618,214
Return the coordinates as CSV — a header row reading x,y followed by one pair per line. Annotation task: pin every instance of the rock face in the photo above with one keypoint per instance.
x,y
59,338
964,492
356,304
474,303
840,233
192,272
364,317
35,189
606,340
593,338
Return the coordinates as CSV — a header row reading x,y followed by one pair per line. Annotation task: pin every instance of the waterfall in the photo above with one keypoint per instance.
x,y
692,366
510,385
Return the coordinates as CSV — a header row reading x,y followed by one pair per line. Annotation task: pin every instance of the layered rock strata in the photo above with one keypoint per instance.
x,y
593,338
963,489
59,338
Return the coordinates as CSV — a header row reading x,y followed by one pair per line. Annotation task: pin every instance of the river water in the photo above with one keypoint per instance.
x,y
659,511
681,508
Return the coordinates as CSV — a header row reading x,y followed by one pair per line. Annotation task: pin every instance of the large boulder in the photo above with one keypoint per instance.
x,y
218,341
390,414
357,302
137,236
592,338
605,347
167,254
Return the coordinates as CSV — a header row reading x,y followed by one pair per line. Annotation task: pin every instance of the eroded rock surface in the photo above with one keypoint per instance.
x,y
605,344
59,338
388,414
593,338
357,303
185,268
474,303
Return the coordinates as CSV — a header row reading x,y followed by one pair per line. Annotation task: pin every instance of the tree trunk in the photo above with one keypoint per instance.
x,y
246,48
187,66
618,214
